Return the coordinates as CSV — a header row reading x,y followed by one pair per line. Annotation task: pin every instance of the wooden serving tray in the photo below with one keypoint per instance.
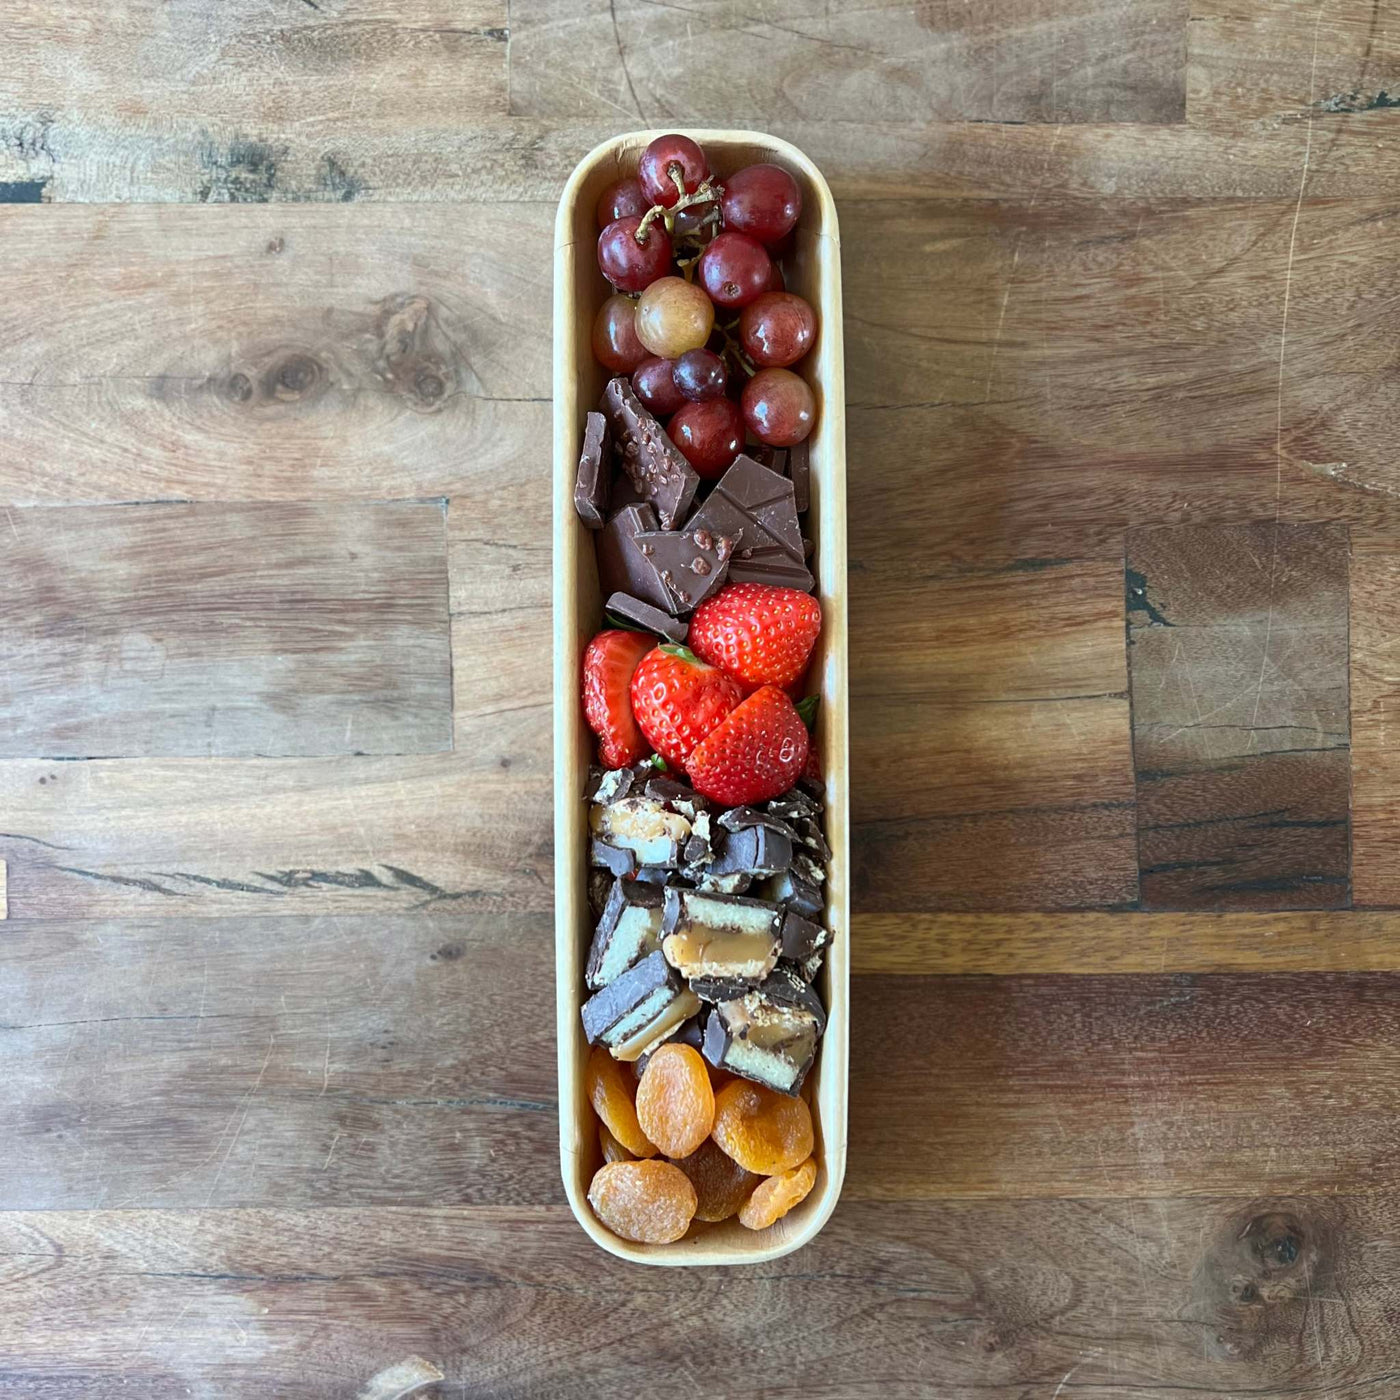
x,y
813,270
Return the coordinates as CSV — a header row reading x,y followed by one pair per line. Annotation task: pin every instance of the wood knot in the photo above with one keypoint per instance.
x,y
240,388
429,385
293,378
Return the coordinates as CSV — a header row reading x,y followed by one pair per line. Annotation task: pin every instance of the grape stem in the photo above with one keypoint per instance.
x,y
706,192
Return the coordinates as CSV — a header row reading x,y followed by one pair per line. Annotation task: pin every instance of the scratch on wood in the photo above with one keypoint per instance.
x,y
150,886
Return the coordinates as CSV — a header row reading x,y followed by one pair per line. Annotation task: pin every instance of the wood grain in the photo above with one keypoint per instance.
x,y
1238,656
1215,1296
270,353
1088,60
1122,1086
1125,942
991,736
187,1062
224,630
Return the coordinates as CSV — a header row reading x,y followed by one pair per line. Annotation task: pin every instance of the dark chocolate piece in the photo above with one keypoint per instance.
x,y
801,937
677,796
699,850
628,929
753,850
596,774
769,1034
655,874
654,463
809,547
613,785
796,802
600,883
623,494
628,1001
812,871
643,615
792,891
739,818
622,567
757,504
622,863
714,989
691,563
809,833
799,471
594,479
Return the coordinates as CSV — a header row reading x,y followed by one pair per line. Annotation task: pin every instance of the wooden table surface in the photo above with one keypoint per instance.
x,y
276,1045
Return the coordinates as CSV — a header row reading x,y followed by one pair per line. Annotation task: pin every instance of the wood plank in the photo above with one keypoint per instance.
x,y
258,74
192,837
278,1061
1375,685
1087,60
270,353
1108,365
1238,656
1124,942
991,733
1215,1296
225,630
1122,1085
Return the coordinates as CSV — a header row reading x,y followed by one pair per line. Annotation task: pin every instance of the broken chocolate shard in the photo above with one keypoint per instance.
x,y
628,930
794,803
629,1001
655,874
622,566
623,494
691,563
799,471
655,465
677,796
714,989
809,833
600,884
652,832
594,480
752,850
808,869
642,614
792,891
713,935
801,937
613,785
740,818
769,1034
621,863
756,504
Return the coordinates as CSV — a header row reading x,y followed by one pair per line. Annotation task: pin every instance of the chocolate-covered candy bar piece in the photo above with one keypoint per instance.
x,y
613,785
792,891
691,563
721,884
808,869
714,989
756,505
799,471
594,479
643,615
647,1037
629,928
769,1034
619,862
655,874
678,797
740,818
630,1001
652,832
809,967
652,461
716,935
809,833
622,567
699,850
690,1032
801,937
752,850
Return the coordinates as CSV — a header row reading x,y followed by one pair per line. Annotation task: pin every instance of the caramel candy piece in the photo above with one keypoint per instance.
x,y
717,935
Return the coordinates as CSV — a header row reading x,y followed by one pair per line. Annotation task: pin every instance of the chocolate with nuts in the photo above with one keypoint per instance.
x,y
651,460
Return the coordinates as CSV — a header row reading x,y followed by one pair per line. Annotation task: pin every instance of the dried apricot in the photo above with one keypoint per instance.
x,y
721,1184
675,1104
613,1150
775,1197
650,1202
763,1131
611,1096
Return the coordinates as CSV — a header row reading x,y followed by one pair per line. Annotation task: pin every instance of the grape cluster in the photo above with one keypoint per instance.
x,y
700,317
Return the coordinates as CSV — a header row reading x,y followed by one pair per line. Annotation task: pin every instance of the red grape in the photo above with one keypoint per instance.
x,y
674,316
699,375
735,268
710,435
777,328
654,170
690,222
655,386
761,200
621,198
778,407
775,282
629,265
615,342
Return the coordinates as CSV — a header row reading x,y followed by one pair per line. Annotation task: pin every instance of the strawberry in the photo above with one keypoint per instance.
x,y
608,664
758,752
757,633
678,699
